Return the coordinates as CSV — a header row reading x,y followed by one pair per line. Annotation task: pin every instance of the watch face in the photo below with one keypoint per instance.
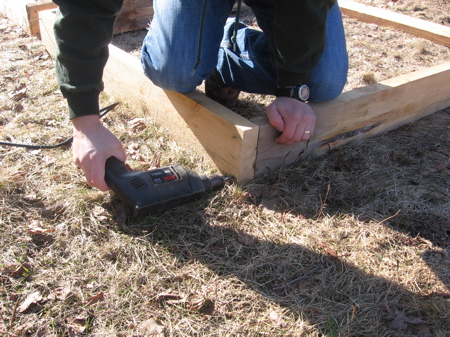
x,y
303,92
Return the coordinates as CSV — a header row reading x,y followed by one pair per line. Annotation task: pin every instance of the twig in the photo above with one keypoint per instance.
x,y
389,218
13,316
297,279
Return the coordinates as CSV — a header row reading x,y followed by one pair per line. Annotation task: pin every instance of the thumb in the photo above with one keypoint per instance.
x,y
274,117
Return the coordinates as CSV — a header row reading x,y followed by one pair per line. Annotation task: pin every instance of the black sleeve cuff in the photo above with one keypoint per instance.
x,y
83,103
286,78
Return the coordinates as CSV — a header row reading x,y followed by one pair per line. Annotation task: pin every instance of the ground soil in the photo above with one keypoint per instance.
x,y
354,243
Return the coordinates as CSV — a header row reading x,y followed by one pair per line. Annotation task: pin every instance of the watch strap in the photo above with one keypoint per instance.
x,y
285,92
293,92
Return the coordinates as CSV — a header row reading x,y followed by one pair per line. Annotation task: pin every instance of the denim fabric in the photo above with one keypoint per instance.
x,y
169,51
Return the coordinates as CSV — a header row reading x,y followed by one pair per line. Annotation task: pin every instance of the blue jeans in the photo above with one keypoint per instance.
x,y
169,51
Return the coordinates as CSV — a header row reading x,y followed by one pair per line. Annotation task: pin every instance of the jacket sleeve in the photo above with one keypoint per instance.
x,y
83,29
300,36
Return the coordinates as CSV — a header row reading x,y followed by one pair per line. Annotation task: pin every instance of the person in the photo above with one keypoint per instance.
x,y
298,55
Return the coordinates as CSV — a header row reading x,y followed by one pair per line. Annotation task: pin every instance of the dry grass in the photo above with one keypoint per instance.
x,y
437,11
355,243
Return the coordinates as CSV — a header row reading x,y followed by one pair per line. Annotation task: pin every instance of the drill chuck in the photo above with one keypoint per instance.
x,y
158,189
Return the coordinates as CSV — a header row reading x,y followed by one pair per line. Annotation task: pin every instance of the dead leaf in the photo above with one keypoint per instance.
x,y
137,124
277,318
401,321
64,292
99,213
203,305
35,229
151,327
95,299
269,206
18,108
169,297
246,239
31,302
111,256
18,175
22,270
423,331
76,331
444,151
19,92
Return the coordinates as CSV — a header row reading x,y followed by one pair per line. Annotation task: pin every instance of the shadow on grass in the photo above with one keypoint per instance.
x,y
308,283
395,181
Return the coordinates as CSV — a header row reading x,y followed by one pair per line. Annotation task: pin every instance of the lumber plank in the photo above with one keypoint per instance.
x,y
135,15
194,121
33,10
428,30
46,22
361,113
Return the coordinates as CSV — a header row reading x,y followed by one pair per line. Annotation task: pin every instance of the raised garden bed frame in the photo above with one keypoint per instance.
x,y
245,148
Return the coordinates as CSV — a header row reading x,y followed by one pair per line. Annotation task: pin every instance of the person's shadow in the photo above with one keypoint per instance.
x,y
336,297
316,283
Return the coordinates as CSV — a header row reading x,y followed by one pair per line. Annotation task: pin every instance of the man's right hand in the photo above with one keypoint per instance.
x,y
92,145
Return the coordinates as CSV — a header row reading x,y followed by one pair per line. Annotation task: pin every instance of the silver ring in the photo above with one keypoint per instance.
x,y
307,132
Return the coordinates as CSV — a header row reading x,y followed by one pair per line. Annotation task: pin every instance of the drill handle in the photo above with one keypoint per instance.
x,y
114,168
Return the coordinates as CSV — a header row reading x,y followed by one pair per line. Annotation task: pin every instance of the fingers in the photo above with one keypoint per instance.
x,y
91,146
94,171
97,176
275,118
296,132
294,119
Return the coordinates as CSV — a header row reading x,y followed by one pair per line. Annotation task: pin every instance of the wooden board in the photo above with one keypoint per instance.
x,y
428,30
135,14
361,113
33,10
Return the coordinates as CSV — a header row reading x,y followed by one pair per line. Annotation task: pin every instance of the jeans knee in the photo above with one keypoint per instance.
x,y
179,79
327,88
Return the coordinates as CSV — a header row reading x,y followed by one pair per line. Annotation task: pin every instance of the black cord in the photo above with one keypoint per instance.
x,y
102,112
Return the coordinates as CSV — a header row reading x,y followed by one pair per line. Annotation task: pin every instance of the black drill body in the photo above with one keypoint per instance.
x,y
159,189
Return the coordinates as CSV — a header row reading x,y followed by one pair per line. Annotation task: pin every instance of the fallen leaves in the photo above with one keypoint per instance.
x,y
79,324
246,239
31,303
16,271
151,327
203,305
100,297
401,321
137,125
277,318
19,92
34,228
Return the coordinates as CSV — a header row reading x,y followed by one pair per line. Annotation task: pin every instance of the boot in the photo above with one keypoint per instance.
x,y
218,91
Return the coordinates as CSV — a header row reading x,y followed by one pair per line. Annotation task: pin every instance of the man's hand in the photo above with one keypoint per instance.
x,y
294,119
92,145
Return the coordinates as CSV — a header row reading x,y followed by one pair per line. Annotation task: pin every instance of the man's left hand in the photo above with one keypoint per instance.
x,y
293,118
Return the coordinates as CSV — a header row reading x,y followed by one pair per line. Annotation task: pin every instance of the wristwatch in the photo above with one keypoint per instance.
x,y
300,92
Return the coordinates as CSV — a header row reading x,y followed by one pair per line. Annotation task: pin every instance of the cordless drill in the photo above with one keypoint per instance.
x,y
159,189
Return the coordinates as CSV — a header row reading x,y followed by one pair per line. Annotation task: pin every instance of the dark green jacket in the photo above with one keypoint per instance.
x,y
83,30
